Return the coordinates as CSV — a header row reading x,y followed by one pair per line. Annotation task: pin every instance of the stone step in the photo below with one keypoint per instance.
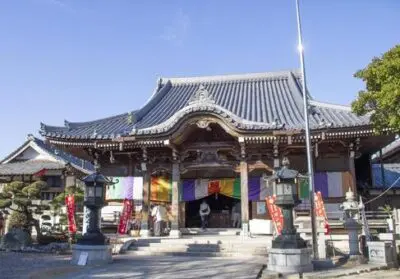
x,y
202,248
205,241
144,244
196,254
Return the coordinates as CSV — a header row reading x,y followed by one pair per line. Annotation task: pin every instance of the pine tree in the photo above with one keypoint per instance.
x,y
17,198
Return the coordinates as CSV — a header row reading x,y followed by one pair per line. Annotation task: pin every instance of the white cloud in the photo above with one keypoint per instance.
x,y
176,32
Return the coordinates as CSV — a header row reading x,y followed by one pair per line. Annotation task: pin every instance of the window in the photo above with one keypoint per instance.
x,y
54,181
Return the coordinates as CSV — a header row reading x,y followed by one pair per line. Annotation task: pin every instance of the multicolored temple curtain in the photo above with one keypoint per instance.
x,y
194,189
161,189
330,184
128,187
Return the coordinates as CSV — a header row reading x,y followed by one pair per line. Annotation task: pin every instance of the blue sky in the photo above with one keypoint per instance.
x,y
82,59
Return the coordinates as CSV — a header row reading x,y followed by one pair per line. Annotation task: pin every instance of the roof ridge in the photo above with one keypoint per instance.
x,y
329,105
66,122
230,77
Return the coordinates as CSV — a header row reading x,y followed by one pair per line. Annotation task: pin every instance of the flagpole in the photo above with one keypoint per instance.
x,y
307,138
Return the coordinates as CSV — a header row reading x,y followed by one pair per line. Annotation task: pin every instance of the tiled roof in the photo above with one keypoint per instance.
x,y
29,167
265,101
387,151
80,164
61,158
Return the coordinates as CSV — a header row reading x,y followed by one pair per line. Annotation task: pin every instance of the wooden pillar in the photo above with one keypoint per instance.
x,y
176,177
244,196
144,226
352,167
244,187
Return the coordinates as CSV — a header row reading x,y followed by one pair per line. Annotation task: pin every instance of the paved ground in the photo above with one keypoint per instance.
x,y
18,265
383,274
21,265
42,266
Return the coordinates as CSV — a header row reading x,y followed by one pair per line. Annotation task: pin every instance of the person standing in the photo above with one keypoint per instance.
x,y
204,212
156,213
236,215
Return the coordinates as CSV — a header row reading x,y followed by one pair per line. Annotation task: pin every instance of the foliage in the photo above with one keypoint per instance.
x,y
387,209
381,99
17,198
59,201
18,220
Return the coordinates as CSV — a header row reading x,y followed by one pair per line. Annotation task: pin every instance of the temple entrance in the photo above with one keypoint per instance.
x,y
221,211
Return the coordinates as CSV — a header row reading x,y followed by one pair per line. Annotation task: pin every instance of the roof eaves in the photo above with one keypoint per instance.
x,y
15,153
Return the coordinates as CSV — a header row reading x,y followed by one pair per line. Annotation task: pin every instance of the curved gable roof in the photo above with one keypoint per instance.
x,y
61,158
261,101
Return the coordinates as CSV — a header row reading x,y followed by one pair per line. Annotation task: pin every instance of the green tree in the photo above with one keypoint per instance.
x,y
59,201
17,197
381,98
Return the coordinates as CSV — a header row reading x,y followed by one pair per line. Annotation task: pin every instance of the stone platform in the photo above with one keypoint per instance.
x,y
96,254
289,260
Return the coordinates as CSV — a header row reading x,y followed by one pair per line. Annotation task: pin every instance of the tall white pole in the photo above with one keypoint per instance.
x,y
308,138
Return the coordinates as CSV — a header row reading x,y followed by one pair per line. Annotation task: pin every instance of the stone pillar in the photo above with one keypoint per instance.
x,y
244,197
176,177
85,220
353,228
144,227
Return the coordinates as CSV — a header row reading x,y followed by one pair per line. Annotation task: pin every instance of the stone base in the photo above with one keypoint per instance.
x,y
381,253
97,254
245,230
145,233
175,233
290,260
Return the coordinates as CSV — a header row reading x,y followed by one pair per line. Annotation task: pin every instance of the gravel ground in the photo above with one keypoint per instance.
x,y
25,265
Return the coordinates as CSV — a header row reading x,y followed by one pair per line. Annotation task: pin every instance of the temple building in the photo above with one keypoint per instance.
x,y
217,138
36,160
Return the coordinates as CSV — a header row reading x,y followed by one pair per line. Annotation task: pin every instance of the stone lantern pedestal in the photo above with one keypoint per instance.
x,y
289,252
92,248
351,224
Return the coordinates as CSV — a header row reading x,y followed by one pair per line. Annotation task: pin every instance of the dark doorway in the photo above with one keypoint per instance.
x,y
221,208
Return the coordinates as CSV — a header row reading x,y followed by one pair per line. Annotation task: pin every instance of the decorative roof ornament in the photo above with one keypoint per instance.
x,y
66,124
201,96
277,124
324,124
130,119
134,130
204,124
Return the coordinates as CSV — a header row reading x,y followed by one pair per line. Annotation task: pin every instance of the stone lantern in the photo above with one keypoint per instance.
x,y
351,222
289,251
92,246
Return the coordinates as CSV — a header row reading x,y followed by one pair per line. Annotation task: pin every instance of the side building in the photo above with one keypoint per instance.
x,y
36,160
217,138
385,186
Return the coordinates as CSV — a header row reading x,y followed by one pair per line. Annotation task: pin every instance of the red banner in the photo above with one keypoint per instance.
x,y
275,212
320,210
70,203
125,216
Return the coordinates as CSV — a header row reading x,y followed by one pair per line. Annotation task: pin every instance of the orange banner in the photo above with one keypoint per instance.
x,y
320,210
70,203
276,213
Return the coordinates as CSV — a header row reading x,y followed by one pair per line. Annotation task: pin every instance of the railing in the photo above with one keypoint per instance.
x,y
376,219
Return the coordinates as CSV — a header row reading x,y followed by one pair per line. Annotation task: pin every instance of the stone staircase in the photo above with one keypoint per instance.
x,y
202,246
